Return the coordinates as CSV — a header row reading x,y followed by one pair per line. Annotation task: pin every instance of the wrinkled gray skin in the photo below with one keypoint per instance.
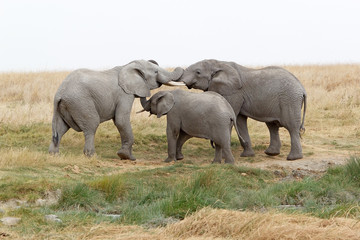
x,y
271,95
205,115
87,98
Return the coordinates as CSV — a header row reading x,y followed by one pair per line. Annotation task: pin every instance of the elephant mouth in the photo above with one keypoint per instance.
x,y
190,86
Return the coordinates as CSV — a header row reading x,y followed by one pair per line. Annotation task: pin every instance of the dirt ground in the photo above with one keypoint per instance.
x,y
308,166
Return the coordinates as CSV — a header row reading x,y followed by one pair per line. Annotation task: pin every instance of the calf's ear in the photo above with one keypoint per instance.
x,y
164,104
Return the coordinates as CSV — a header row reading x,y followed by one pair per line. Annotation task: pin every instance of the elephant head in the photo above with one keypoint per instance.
x,y
159,104
213,75
139,77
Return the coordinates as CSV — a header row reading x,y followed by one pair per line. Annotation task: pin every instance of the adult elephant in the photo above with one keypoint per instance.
x,y
271,95
87,98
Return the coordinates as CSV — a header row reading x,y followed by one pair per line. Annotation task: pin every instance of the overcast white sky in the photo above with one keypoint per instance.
x,y
68,34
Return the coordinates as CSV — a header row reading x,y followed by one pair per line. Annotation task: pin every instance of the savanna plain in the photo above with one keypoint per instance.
x,y
103,197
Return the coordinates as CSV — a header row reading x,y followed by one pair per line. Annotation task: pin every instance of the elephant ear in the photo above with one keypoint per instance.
x,y
133,81
225,80
164,104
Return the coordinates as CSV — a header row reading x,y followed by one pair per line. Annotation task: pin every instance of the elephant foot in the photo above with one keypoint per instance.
x,y
167,160
292,157
247,153
230,162
271,152
179,156
125,154
216,161
89,152
53,150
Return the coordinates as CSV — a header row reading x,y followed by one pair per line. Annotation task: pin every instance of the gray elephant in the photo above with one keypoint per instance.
x,y
204,115
271,95
87,98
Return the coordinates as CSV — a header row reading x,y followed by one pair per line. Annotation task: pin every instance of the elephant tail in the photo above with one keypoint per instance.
x,y
238,133
302,128
55,134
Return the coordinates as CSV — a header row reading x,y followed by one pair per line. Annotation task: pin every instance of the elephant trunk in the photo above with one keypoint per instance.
x,y
145,104
166,77
187,78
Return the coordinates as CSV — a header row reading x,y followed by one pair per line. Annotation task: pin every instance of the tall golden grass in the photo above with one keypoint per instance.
x,y
27,97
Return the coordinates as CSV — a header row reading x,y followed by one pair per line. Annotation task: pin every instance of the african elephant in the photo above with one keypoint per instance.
x,y
271,95
87,98
204,115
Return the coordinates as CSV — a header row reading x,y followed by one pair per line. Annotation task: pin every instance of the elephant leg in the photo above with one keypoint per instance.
x,y
59,129
275,143
241,122
229,158
172,135
296,149
122,123
183,137
218,154
89,148
87,120
89,128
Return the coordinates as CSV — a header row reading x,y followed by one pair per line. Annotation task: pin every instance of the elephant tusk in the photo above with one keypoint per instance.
x,y
140,111
172,83
143,111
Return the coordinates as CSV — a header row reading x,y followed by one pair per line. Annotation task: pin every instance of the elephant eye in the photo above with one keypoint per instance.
x,y
156,71
198,72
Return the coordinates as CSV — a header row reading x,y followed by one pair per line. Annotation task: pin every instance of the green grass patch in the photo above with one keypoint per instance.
x,y
158,196
80,196
30,136
179,190
113,187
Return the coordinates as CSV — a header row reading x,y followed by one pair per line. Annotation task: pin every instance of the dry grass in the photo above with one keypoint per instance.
x,y
223,224
27,97
332,93
29,158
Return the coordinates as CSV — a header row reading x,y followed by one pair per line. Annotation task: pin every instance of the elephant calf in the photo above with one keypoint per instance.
x,y
204,115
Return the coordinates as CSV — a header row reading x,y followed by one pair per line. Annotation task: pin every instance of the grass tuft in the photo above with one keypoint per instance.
x,y
80,196
352,169
114,186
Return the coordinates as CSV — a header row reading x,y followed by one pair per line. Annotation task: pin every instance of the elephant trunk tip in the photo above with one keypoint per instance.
x,y
177,73
145,104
